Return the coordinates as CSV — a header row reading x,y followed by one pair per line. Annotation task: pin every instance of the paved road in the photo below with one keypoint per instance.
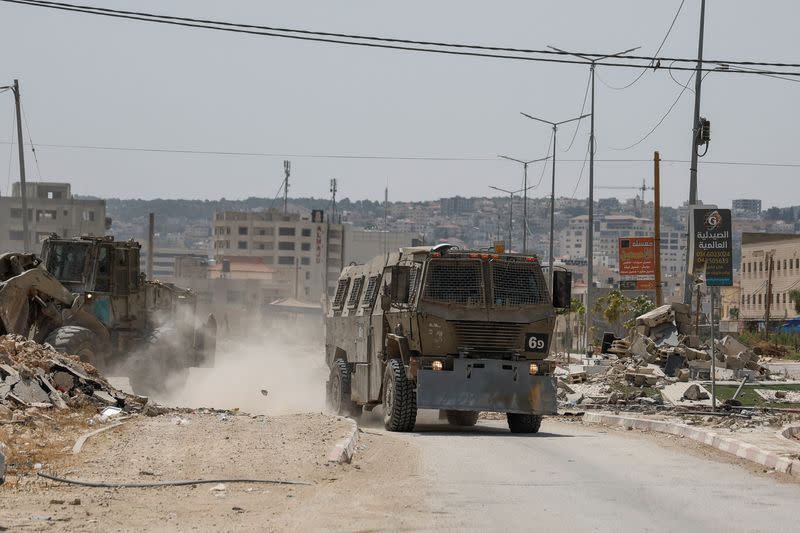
x,y
573,477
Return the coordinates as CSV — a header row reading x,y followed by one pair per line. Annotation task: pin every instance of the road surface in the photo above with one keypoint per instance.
x,y
568,477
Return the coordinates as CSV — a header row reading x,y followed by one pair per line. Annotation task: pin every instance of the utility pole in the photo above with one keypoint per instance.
x,y
590,235
26,236
768,304
510,212
151,230
657,223
333,199
698,79
385,217
555,126
525,200
287,169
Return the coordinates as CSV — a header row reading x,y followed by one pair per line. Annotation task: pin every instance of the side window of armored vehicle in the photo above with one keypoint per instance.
x,y
341,291
121,271
371,291
102,280
355,293
133,256
401,284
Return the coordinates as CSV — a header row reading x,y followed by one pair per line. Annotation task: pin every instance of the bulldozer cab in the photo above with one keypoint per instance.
x,y
90,264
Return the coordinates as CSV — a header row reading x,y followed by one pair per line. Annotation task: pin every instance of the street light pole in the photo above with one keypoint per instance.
x,y
525,191
590,230
555,126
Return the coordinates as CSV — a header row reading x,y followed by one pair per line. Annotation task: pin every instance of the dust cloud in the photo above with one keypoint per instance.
x,y
287,362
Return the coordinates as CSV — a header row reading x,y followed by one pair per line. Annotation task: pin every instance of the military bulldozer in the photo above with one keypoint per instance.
x,y
86,296
447,329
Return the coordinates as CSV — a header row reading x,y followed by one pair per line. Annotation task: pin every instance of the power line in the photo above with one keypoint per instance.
x,y
580,175
583,106
660,46
377,42
30,140
386,157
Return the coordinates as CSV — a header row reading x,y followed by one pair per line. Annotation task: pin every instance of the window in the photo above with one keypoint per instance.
x,y
102,281
306,232
242,230
286,232
759,299
88,216
242,245
121,271
355,294
371,291
46,214
305,246
784,264
341,291
285,245
16,235
308,275
16,212
285,260
305,261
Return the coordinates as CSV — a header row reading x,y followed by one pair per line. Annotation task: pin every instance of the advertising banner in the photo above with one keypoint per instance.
x,y
637,256
711,246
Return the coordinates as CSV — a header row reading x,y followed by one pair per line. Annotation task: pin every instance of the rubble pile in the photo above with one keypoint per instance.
x,y
661,361
36,375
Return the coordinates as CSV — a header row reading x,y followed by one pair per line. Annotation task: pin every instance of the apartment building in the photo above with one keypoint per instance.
x,y
758,251
310,245
362,245
51,209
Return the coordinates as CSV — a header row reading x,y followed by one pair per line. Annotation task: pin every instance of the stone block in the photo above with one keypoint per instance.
x,y
695,393
656,317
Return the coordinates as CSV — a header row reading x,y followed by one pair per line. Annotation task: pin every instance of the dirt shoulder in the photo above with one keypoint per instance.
x,y
195,445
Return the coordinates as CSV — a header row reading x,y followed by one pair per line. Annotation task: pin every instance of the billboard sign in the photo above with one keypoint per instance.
x,y
637,256
712,248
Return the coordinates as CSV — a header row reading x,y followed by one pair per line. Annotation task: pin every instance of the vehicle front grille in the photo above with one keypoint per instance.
x,y
488,336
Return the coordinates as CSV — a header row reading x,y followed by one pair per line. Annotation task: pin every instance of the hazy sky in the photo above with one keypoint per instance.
x,y
90,80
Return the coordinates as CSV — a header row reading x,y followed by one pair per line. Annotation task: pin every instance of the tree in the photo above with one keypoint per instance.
x,y
734,313
616,307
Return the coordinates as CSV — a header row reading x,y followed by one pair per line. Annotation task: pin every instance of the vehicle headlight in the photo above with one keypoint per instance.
x,y
437,365
534,369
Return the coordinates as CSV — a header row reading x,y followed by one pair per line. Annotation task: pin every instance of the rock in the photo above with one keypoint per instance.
x,y
29,391
683,375
104,397
694,393
575,398
656,317
780,394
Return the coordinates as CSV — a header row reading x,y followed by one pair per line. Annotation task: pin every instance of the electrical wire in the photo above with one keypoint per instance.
x,y
580,175
179,483
544,167
660,46
583,106
400,44
30,140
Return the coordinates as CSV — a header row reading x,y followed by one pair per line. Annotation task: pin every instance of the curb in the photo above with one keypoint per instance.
x,y
344,450
735,447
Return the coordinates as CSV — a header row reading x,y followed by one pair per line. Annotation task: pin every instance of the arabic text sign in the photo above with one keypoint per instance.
x,y
712,249
637,256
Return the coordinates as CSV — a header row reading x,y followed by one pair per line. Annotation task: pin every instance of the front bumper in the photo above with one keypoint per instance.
x,y
487,385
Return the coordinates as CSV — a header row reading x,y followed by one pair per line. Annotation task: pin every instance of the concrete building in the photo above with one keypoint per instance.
x,y
314,247
757,249
51,209
362,245
165,260
456,205
745,208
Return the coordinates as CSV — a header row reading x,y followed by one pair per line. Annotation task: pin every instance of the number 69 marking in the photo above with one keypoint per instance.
x,y
535,342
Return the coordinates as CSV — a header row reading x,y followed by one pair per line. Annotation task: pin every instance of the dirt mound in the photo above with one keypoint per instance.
x,y
770,349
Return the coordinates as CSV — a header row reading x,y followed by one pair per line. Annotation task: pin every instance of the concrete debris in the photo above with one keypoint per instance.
x,y
694,393
34,375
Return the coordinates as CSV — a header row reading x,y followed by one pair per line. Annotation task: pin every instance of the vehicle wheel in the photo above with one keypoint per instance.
x,y
338,392
519,423
399,398
80,341
462,418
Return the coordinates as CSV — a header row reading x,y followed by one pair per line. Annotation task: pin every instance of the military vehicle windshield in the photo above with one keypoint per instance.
x,y
461,281
67,260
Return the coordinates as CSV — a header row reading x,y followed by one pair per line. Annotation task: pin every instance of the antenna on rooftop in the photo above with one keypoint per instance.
x,y
333,199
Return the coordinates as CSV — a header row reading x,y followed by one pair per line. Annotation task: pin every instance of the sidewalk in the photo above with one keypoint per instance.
x,y
766,446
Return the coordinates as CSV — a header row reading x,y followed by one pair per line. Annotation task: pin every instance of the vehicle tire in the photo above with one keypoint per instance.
x,y
80,341
399,398
462,418
338,390
519,423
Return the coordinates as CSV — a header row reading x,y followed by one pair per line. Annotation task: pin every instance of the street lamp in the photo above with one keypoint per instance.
x,y
525,201
590,233
555,126
510,208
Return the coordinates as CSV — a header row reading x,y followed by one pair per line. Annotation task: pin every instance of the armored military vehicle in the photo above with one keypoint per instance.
x,y
448,329
86,296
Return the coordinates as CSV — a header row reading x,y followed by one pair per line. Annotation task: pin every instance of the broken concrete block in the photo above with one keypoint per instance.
x,y
680,307
656,317
104,397
731,346
29,391
683,375
575,398
699,355
563,386
694,393
736,362
665,335
643,330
